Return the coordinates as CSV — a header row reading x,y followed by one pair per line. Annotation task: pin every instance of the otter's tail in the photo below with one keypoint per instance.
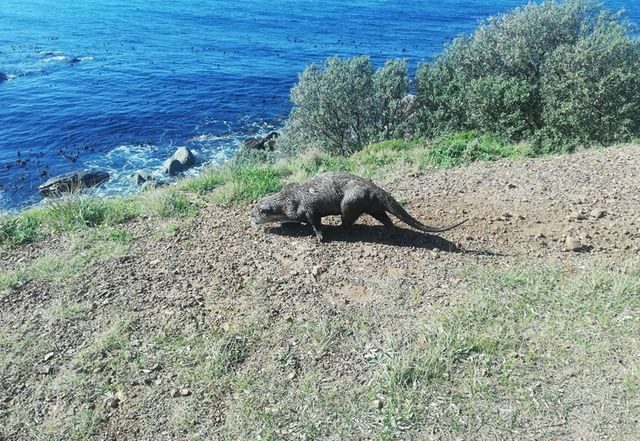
x,y
394,207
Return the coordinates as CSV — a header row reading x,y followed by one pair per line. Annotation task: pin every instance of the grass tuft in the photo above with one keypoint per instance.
x,y
463,148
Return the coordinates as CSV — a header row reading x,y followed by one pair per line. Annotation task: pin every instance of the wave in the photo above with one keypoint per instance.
x,y
210,149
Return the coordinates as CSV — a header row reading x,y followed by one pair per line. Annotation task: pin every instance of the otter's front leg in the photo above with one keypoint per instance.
x,y
316,223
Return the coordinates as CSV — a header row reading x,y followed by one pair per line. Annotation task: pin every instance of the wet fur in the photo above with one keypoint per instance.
x,y
336,193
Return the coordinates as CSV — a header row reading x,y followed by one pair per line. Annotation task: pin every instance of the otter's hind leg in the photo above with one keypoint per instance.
x,y
383,218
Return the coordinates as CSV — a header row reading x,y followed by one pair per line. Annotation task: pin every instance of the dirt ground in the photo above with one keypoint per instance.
x,y
199,273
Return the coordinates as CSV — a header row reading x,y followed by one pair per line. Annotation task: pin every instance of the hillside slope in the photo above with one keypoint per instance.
x,y
207,328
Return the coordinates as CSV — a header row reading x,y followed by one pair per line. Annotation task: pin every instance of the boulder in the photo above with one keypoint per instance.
x,y
72,182
251,143
147,182
185,156
172,167
181,160
139,179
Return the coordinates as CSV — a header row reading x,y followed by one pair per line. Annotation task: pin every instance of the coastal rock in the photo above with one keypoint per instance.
x,y
3,77
72,182
147,183
259,143
185,156
140,179
181,160
152,185
172,167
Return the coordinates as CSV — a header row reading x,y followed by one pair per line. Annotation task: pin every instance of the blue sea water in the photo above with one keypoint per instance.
x,y
120,84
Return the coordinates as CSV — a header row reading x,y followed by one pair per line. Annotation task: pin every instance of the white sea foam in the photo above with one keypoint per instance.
x,y
210,149
56,58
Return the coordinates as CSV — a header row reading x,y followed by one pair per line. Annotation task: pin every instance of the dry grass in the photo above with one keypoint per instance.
x,y
537,353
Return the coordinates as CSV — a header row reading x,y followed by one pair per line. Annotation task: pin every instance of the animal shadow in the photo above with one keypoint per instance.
x,y
400,237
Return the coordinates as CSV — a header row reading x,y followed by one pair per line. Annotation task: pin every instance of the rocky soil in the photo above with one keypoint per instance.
x,y
200,273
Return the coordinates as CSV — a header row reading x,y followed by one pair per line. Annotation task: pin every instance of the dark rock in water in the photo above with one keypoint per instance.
x,y
74,60
147,182
152,185
172,167
251,143
72,182
266,143
3,77
140,179
181,160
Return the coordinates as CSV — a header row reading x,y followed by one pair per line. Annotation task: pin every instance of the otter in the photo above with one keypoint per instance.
x,y
331,194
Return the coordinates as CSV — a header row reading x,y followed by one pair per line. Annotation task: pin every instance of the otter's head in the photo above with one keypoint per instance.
x,y
269,209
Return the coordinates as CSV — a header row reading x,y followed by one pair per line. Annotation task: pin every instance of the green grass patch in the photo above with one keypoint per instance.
x,y
238,182
167,203
70,214
464,148
22,229
208,181
78,212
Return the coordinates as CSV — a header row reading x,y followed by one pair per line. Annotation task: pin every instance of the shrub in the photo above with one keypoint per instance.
x,y
591,90
390,85
342,105
544,68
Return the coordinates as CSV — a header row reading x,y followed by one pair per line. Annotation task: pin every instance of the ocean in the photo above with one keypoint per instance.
x,y
120,85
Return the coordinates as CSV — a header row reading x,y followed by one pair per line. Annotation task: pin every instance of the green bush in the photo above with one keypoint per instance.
x,y
542,70
591,90
390,85
343,105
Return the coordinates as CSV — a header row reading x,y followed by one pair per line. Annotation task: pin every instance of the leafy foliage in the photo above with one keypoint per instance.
x,y
343,105
558,70
591,90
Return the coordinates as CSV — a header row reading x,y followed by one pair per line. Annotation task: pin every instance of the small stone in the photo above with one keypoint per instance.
x,y
185,392
49,356
291,375
377,404
597,213
572,244
317,270
578,215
